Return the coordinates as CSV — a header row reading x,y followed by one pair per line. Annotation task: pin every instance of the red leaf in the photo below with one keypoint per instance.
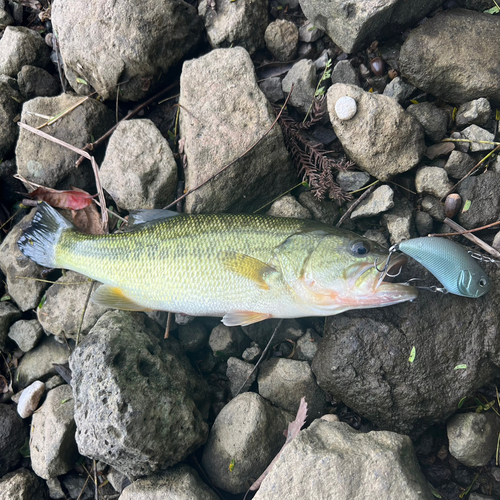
x,y
73,200
293,429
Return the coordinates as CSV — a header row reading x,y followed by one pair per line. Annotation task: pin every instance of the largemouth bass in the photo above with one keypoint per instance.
x,y
244,268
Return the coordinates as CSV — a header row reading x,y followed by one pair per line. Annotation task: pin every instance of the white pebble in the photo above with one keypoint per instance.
x,y
30,397
346,108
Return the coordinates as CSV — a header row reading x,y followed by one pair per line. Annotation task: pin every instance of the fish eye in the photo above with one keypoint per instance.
x,y
360,248
482,282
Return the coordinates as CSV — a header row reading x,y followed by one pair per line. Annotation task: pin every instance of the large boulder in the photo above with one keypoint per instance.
x,y
332,460
363,358
135,397
441,56
47,163
139,169
223,113
123,44
381,137
351,25
22,484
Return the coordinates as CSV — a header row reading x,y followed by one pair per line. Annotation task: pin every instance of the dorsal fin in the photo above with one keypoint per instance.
x,y
138,219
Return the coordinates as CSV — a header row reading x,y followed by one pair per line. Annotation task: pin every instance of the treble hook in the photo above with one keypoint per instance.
x,y
392,250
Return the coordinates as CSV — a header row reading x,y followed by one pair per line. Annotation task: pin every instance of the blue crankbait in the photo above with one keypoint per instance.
x,y
450,263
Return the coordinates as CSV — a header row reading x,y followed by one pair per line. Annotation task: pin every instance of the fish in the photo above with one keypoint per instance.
x,y
449,262
243,268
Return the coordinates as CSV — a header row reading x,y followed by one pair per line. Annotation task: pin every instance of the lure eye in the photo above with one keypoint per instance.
x,y
482,282
360,248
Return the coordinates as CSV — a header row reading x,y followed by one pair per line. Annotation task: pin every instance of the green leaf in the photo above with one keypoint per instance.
x,y
413,352
434,491
25,449
65,400
461,402
4,298
42,302
460,367
493,10
305,184
497,115
414,101
466,206
454,114
231,465
82,81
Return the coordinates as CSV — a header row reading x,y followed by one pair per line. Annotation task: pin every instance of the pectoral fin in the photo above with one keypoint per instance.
x,y
244,318
113,297
249,267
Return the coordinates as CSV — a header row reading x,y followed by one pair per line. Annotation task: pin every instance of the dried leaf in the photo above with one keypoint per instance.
x,y
73,200
293,429
88,220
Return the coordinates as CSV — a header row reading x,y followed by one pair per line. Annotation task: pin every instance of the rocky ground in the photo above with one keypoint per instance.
x,y
394,102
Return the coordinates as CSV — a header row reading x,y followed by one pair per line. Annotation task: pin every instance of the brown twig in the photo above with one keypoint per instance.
x,y
355,204
93,145
167,328
471,171
468,230
236,159
471,237
100,192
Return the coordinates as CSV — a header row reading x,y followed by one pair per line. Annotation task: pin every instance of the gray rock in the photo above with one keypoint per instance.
x,y
22,484
13,434
17,11
433,207
284,382
78,485
282,38
303,78
462,146
139,169
8,314
133,44
476,112
398,89
307,345
117,480
496,241
478,496
37,363
386,390
237,372
350,26
26,293
475,133
394,145
30,397
228,341
433,119
212,85
261,332
10,105
388,461
322,60
53,447
64,306
496,165
429,56
20,46
472,437
26,333
55,490
183,319
352,180
423,223
53,382
399,222
45,162
483,191
309,33
379,201
343,72
252,353
288,206
248,432
36,82
178,483
459,164
193,336
377,237
235,23
133,394
271,87
433,181
324,211
5,19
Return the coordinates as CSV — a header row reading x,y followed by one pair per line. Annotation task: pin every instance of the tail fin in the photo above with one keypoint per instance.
x,y
39,241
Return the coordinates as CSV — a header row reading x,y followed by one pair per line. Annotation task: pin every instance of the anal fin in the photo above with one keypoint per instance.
x,y
113,297
244,318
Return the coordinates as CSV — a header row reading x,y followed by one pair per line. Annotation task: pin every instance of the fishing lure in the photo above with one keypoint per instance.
x,y
450,263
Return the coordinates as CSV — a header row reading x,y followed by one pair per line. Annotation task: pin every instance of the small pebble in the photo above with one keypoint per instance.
x,y
346,108
30,397
329,417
